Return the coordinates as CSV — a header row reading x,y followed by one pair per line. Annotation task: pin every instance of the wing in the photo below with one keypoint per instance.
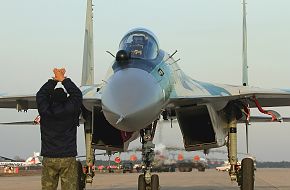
x,y
193,93
20,103
81,121
208,107
91,97
200,93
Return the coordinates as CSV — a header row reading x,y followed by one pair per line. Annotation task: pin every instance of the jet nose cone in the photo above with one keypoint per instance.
x,y
132,99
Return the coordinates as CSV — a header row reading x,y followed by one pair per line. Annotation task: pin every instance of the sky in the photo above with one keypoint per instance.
x,y
38,35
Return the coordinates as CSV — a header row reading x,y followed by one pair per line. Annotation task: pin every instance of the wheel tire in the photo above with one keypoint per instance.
x,y
182,169
248,176
81,181
164,115
154,182
201,169
141,182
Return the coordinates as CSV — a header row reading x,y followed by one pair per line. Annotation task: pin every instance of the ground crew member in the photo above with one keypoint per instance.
x,y
59,112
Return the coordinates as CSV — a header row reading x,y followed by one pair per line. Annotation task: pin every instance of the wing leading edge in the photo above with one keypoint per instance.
x,y
266,98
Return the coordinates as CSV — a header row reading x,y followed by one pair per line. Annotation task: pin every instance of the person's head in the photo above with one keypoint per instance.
x,y
59,95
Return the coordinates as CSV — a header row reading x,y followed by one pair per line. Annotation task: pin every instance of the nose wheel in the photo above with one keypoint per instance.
x,y
153,185
141,182
148,181
154,182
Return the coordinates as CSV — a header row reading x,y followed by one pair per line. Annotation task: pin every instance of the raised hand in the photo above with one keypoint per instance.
x,y
59,74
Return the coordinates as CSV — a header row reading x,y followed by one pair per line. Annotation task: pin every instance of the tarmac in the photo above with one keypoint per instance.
x,y
266,179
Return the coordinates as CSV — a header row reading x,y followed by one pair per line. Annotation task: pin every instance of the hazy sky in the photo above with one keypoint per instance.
x,y
38,35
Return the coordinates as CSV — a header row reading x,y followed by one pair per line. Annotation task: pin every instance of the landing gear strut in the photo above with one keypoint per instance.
x,y
244,173
232,150
147,181
90,157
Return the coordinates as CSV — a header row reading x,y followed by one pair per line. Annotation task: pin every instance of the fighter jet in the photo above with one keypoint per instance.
x,y
142,82
31,161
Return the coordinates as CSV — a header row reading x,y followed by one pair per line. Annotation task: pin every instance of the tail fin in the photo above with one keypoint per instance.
x,y
88,56
245,55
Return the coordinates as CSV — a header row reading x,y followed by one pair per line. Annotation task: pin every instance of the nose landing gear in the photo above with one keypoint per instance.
x,y
148,181
154,184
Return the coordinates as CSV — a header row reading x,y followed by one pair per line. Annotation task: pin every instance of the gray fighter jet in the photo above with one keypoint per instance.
x,y
144,81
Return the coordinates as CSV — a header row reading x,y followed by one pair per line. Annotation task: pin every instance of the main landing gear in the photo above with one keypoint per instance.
x,y
242,173
86,174
148,181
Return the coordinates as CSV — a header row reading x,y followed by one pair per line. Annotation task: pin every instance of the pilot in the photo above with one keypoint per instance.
x,y
137,46
138,40
59,112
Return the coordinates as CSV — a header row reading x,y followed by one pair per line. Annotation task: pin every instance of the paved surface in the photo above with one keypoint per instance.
x,y
266,179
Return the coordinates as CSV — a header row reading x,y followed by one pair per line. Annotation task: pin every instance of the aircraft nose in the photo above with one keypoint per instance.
x,y
132,99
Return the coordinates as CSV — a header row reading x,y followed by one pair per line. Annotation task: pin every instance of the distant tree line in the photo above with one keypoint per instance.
x,y
282,164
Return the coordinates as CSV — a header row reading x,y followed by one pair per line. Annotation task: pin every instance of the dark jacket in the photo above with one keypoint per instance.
x,y
59,120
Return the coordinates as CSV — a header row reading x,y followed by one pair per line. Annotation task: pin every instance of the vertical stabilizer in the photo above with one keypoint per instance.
x,y
88,56
245,55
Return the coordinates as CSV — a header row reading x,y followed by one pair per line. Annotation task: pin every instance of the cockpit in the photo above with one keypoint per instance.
x,y
140,44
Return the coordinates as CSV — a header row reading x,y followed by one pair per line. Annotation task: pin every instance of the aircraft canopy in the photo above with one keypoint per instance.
x,y
140,43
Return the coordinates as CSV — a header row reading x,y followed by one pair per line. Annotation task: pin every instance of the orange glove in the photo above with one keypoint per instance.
x,y
59,74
